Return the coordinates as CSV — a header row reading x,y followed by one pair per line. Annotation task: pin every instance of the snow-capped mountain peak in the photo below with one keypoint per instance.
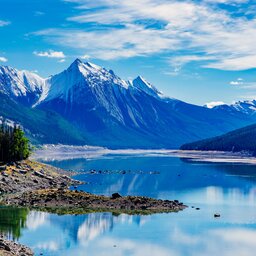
x,y
80,76
72,84
94,74
247,107
141,84
84,67
88,103
21,84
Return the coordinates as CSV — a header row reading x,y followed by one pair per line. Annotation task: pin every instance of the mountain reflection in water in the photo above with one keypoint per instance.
x,y
227,189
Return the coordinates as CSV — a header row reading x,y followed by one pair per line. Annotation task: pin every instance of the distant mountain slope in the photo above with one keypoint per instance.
x,y
247,107
88,104
118,113
243,139
40,126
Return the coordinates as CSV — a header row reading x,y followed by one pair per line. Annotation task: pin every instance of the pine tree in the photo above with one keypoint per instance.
x,y
14,146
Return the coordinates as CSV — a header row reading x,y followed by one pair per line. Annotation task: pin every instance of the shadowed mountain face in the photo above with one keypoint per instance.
x,y
105,110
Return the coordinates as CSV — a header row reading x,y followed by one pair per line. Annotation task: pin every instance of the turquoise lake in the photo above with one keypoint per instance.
x,y
224,188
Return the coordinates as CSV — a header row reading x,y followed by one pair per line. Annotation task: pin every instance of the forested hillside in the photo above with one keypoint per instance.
x,y
243,139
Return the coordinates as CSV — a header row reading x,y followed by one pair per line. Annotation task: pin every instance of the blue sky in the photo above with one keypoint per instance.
x,y
198,51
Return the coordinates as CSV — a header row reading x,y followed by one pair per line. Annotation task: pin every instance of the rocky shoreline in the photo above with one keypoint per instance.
x,y
75,202
42,187
29,175
11,248
36,185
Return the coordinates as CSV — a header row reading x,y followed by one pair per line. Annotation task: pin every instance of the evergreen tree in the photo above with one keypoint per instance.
x,y
14,146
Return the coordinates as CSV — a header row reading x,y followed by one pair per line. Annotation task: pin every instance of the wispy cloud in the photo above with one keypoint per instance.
x,y
133,40
235,62
178,62
242,84
4,23
39,13
196,31
232,2
50,54
3,59
85,57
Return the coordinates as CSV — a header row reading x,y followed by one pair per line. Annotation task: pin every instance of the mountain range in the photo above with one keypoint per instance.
x,y
88,104
247,107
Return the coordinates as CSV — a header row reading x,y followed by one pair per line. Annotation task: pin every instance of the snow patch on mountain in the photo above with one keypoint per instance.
x,y
141,84
247,107
214,104
19,83
73,84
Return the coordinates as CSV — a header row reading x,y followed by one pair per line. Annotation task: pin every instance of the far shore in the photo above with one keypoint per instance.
x,y
66,152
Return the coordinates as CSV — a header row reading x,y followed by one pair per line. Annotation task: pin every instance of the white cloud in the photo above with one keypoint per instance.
x,y
3,59
61,60
224,40
236,83
214,104
50,54
178,61
248,97
85,57
182,60
39,13
4,23
232,2
131,41
240,83
235,63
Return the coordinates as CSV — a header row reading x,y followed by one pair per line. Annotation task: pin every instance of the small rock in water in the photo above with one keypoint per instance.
x,y
216,215
23,171
197,208
116,195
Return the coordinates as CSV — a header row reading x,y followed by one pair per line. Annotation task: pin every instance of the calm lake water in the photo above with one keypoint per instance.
x,y
228,189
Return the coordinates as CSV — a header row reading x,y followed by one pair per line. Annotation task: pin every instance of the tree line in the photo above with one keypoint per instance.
x,y
14,146
243,139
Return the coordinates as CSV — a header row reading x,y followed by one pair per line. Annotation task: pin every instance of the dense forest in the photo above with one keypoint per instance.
x,y
14,146
243,139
